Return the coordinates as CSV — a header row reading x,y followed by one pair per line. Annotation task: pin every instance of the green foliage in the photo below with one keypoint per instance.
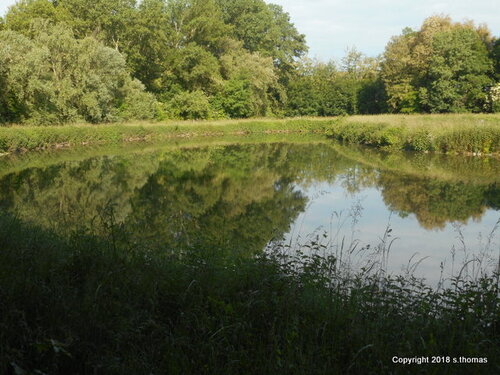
x,y
148,310
494,98
474,137
243,55
320,89
420,141
191,106
193,68
456,80
264,28
175,46
495,56
137,104
317,91
257,73
443,67
55,78
372,97
22,14
236,99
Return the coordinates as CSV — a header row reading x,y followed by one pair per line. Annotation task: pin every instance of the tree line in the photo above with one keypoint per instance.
x,y
64,61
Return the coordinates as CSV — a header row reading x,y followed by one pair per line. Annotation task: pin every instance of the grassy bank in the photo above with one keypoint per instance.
x,y
105,305
462,133
24,138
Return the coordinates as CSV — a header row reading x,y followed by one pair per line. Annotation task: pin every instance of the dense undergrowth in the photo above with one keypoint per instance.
x,y
106,305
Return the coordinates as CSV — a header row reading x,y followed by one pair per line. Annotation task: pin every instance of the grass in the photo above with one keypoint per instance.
x,y
105,305
24,138
455,133
462,133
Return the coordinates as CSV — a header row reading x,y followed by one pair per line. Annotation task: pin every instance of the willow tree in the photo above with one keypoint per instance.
x,y
55,78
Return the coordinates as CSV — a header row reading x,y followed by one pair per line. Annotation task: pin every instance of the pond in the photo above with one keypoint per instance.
x,y
430,211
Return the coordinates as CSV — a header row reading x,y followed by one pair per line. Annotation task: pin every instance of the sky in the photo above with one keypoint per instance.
x,y
331,26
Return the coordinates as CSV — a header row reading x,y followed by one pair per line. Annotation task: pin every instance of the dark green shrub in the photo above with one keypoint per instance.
x,y
193,105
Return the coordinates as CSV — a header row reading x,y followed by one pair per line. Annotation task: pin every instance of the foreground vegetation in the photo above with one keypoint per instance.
x,y
103,304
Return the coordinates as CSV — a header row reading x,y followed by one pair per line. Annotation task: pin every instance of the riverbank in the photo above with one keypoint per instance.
x,y
24,138
147,310
447,133
451,133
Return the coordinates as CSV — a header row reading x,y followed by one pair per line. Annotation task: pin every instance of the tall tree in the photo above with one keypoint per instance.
x,y
458,73
443,67
265,28
56,78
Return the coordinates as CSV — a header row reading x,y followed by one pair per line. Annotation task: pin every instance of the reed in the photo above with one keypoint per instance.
x,y
103,304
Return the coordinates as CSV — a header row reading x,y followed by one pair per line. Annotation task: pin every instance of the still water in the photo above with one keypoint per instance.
x,y
239,198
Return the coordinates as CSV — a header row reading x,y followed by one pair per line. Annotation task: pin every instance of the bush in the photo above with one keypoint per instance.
x,y
236,99
477,136
420,141
191,106
138,104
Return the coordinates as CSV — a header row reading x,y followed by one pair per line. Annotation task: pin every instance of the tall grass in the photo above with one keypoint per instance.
x,y
441,133
472,133
106,305
24,138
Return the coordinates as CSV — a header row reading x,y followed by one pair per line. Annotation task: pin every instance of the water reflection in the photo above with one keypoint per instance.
x,y
237,198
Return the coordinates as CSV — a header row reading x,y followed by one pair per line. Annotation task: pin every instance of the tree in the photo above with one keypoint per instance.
x,y
191,106
244,48
458,72
255,74
197,22
264,28
443,67
397,70
20,16
56,78
321,89
192,68
495,56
